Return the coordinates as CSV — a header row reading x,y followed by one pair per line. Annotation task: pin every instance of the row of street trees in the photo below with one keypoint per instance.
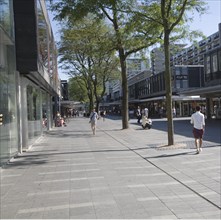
x,y
133,26
85,54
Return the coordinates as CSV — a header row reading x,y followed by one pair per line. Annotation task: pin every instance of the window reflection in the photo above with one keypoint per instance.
x,y
5,17
8,101
219,58
42,37
215,63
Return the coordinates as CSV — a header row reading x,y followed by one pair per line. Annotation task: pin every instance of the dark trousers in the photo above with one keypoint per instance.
x,y
138,118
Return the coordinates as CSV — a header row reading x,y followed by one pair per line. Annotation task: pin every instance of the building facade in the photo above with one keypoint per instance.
x,y
195,80
28,75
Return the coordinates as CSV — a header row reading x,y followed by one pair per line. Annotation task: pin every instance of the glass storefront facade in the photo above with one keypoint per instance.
x,y
34,113
8,90
28,75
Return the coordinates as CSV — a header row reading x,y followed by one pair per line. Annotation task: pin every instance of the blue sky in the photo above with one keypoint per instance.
x,y
207,23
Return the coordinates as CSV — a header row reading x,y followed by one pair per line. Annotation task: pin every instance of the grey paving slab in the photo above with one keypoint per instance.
x,y
116,174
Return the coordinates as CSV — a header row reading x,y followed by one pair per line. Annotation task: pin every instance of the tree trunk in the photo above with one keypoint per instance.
x,y
168,90
97,106
124,108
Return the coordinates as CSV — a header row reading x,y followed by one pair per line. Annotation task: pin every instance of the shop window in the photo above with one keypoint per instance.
x,y
33,103
42,37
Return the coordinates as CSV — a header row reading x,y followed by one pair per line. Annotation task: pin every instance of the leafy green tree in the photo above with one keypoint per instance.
x,y
84,54
128,38
172,16
77,89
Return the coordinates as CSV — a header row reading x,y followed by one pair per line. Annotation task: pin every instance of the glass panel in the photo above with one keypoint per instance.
x,y
207,76
44,110
6,18
185,84
34,110
177,71
8,100
214,63
208,65
178,84
185,71
42,37
219,59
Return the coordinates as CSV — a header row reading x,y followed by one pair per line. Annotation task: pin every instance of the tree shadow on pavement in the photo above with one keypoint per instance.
x,y
184,128
172,155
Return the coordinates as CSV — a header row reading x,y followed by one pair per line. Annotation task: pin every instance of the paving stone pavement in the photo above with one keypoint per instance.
x,y
69,173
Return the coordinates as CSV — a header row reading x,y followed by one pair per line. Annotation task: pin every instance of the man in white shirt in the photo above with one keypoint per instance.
x,y
145,112
198,121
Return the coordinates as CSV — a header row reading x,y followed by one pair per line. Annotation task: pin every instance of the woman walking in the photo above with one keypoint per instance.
x,y
93,120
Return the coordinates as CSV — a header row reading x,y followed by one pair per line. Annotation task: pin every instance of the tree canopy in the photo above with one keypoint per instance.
x,y
84,52
137,25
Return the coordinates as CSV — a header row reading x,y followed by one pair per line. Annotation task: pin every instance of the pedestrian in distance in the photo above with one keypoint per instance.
x,y
145,112
93,121
198,122
104,115
174,112
138,113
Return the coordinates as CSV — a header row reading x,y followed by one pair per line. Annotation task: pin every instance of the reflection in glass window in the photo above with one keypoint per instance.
x,y
178,84
182,84
208,64
8,96
207,74
185,84
184,71
219,60
6,17
42,37
177,71
214,63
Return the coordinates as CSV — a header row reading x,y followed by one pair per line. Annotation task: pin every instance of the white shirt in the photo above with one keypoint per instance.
x,y
146,111
198,120
94,116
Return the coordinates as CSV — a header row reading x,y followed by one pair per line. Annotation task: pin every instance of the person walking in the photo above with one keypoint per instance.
x,y
138,113
198,121
145,112
93,120
174,112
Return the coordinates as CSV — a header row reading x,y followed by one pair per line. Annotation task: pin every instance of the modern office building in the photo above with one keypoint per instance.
x,y
148,90
211,90
194,55
28,74
196,79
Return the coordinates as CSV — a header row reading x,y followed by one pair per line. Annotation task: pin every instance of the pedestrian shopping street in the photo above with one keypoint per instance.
x,y
69,173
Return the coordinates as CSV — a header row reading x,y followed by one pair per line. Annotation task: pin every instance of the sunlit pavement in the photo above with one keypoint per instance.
x,y
116,174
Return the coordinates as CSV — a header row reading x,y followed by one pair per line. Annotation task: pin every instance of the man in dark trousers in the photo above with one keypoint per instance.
x,y
198,121
138,113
